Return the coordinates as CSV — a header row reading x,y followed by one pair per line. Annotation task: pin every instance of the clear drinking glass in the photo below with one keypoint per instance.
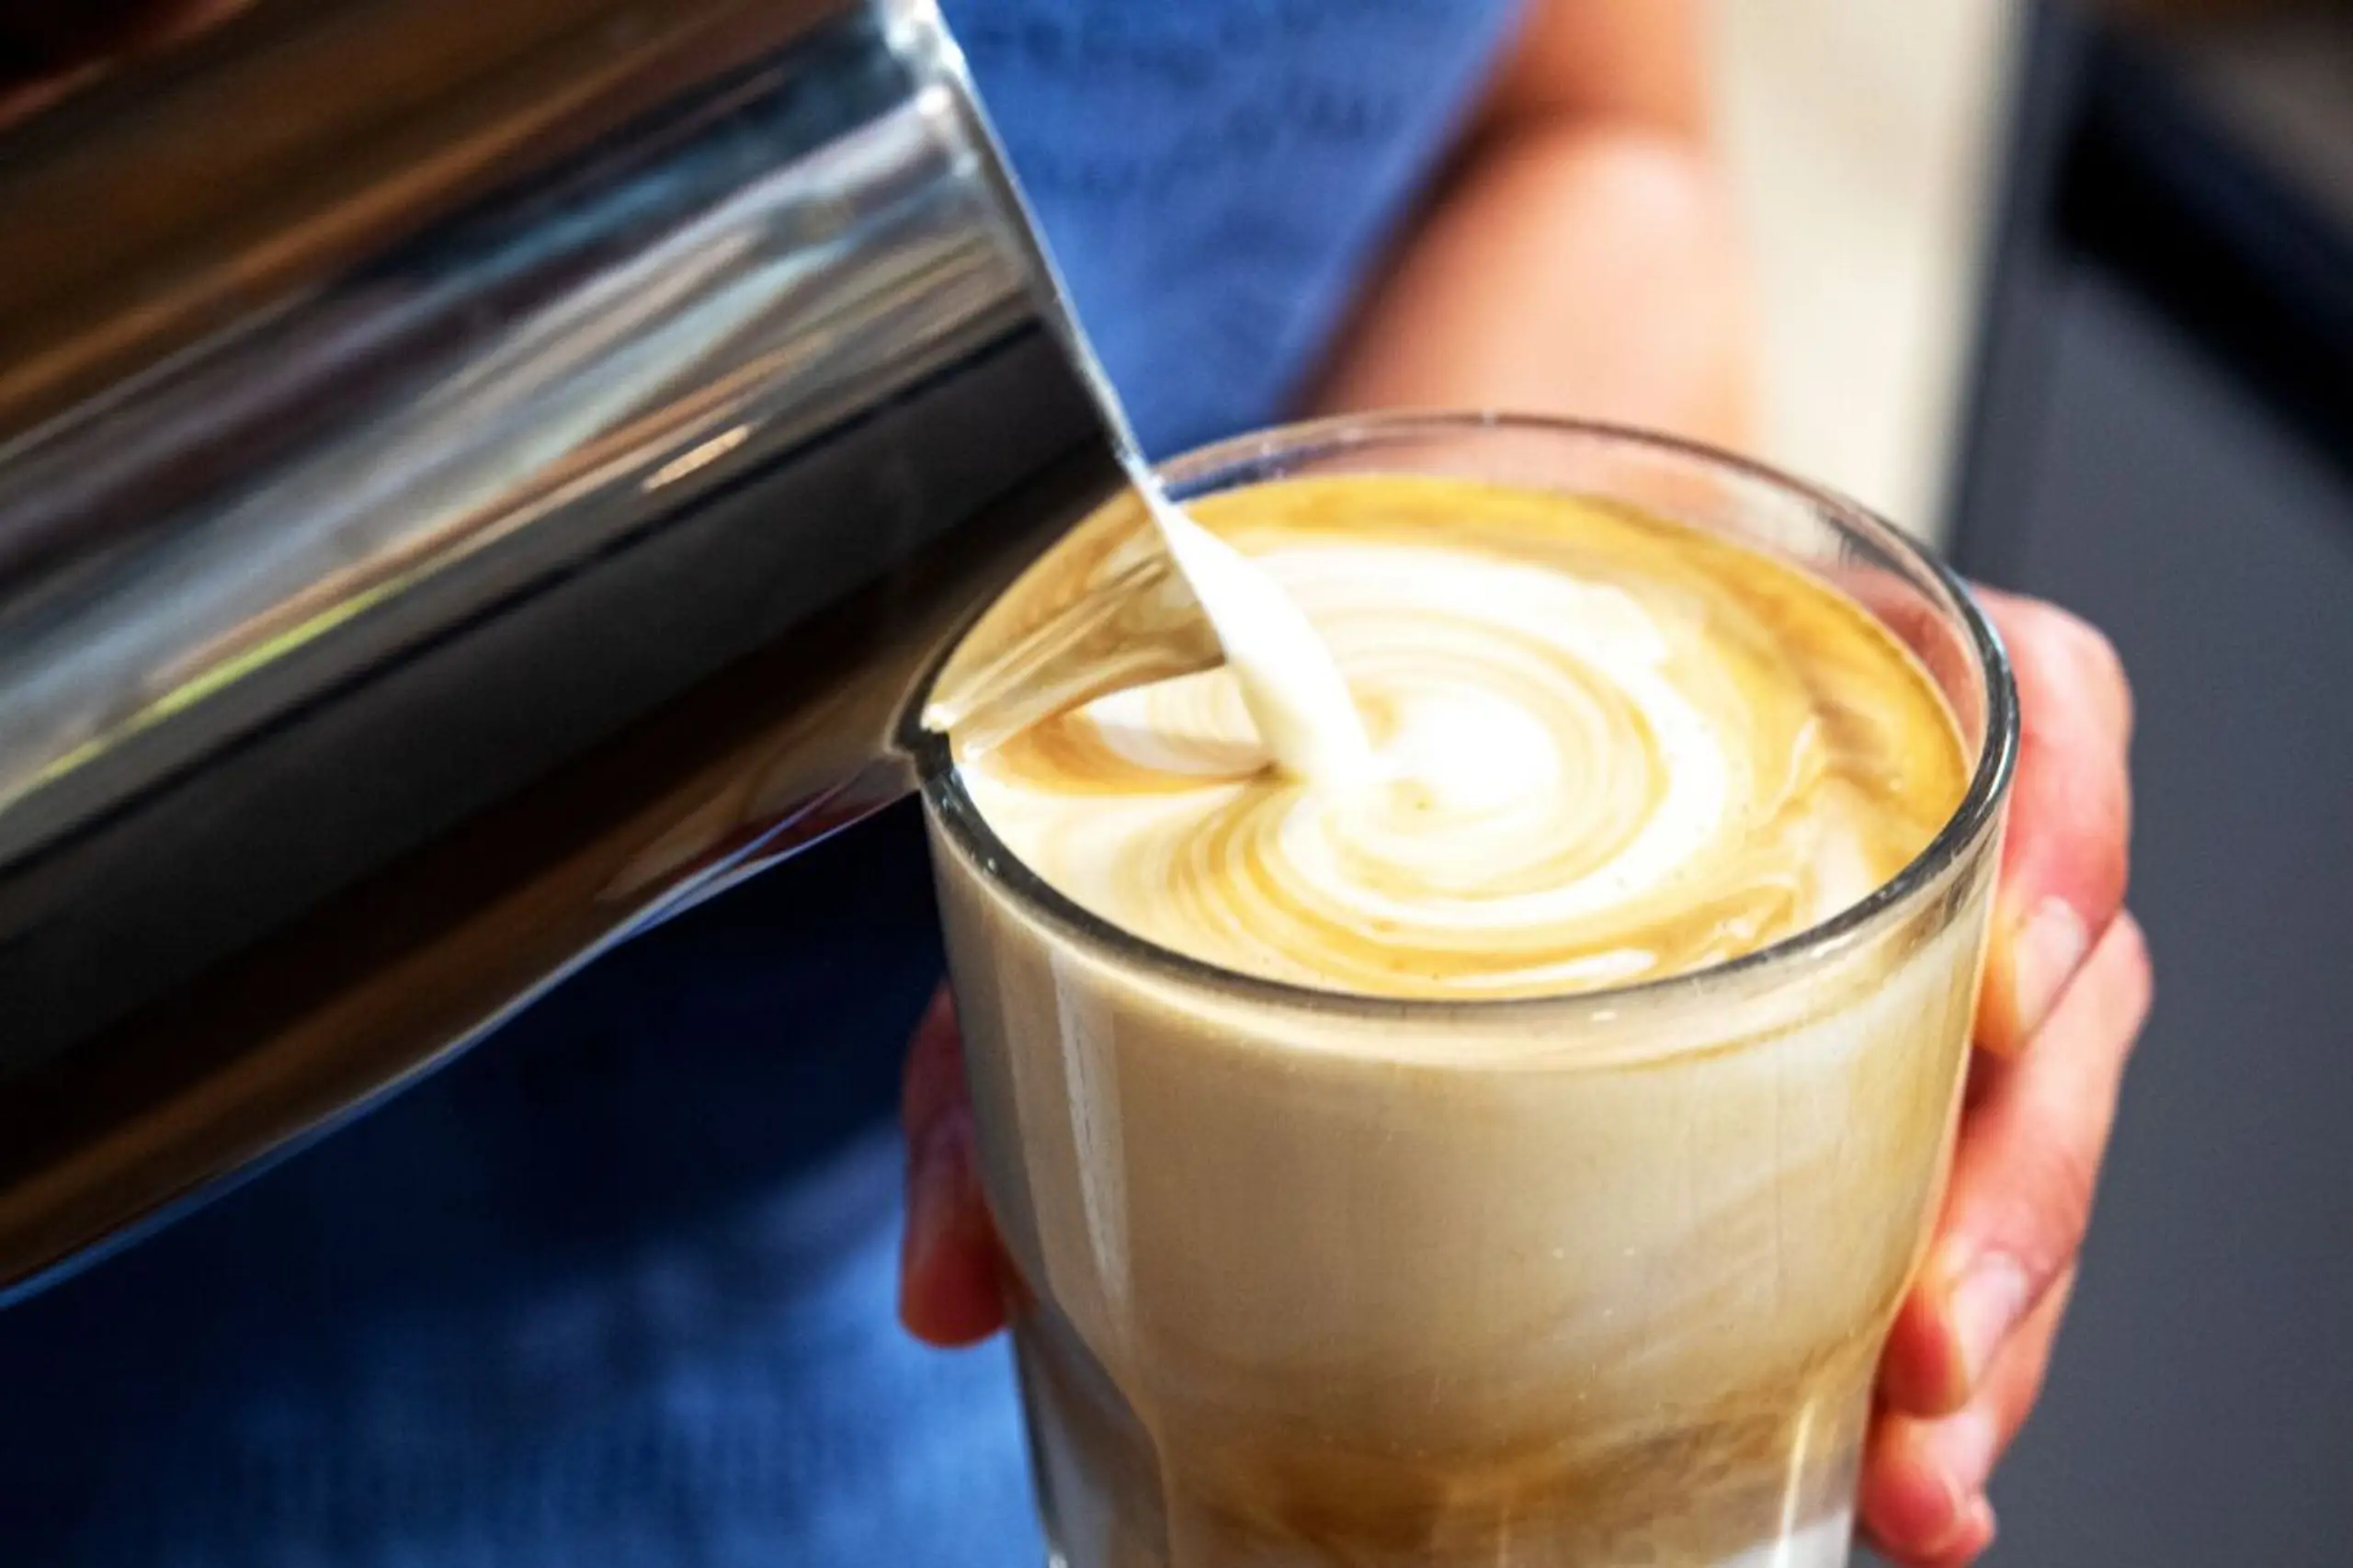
x,y
1296,1279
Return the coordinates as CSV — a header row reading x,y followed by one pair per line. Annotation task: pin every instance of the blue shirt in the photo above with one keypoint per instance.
x,y
616,1289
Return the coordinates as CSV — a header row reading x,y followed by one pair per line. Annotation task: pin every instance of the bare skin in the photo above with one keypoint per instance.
x,y
1582,259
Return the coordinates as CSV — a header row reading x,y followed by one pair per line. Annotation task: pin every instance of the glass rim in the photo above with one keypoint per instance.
x,y
1210,467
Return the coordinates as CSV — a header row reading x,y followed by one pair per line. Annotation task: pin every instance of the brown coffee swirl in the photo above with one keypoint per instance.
x,y
1608,749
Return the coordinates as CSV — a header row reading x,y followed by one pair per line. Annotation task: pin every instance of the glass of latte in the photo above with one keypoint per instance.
x,y
1513,1155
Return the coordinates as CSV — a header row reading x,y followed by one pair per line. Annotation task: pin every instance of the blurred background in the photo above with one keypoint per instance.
x,y
1863,143
2071,289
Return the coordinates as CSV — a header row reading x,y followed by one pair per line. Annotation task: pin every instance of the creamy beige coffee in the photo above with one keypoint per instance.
x,y
1427,1241
1606,749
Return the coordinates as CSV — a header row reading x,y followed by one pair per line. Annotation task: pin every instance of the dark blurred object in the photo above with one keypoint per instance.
x,y
2163,439
49,47
2208,10
40,39
2279,80
473,478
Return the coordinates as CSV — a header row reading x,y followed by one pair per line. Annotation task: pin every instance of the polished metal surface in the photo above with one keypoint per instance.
x,y
471,478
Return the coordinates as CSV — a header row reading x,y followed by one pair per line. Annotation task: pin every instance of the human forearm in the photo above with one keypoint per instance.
x,y
1572,267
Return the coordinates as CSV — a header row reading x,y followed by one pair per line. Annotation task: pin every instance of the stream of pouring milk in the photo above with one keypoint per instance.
x,y
1289,683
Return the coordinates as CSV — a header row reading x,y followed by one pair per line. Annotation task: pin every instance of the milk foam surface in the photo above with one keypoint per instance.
x,y
1605,749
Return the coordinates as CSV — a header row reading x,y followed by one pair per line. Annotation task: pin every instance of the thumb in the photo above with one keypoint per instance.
x,y
2063,865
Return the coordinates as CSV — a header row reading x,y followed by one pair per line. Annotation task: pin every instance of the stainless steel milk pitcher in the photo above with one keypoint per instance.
x,y
473,478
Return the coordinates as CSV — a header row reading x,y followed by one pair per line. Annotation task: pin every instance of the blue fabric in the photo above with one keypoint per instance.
x,y
616,1289
1216,176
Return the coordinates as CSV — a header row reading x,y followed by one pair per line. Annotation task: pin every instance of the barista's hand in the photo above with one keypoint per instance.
x,y
949,1289
2066,987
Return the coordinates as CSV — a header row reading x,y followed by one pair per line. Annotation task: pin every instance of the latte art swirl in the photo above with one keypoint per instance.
x,y
1605,750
